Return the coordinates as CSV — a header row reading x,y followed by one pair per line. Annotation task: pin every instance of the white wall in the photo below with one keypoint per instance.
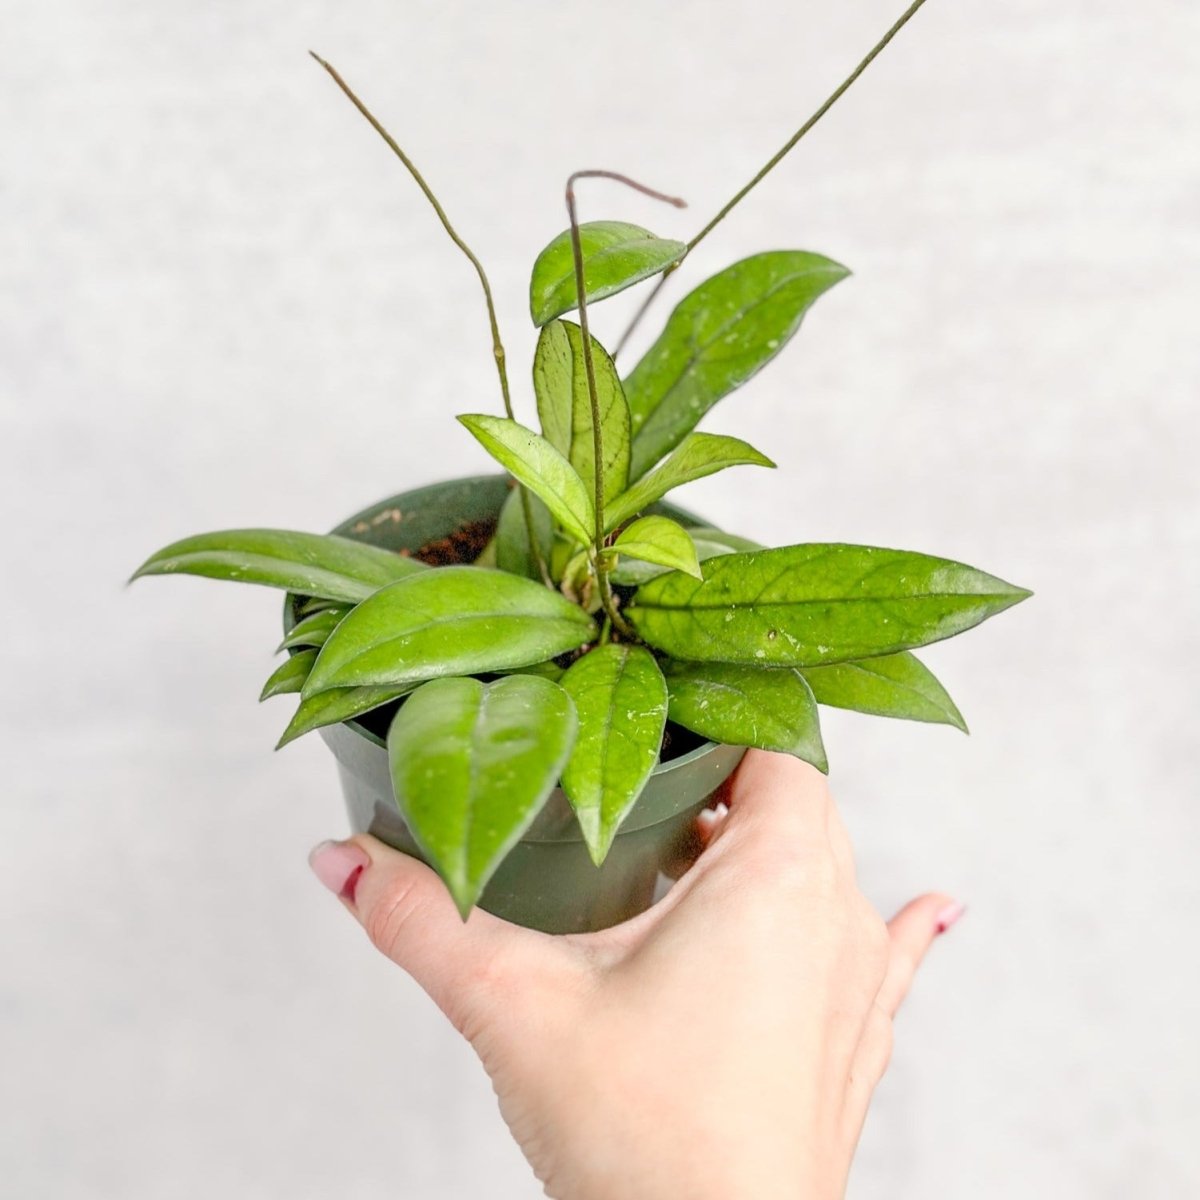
x,y
222,303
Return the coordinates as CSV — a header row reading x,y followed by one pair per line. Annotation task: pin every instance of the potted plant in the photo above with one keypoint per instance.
x,y
535,680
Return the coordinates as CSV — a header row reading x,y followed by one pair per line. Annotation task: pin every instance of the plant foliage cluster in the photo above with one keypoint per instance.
x,y
592,620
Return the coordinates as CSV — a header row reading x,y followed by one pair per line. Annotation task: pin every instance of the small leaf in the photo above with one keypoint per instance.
x,y
621,698
513,553
290,675
314,630
805,606
700,454
472,764
450,621
662,541
313,564
616,255
772,709
892,685
565,410
545,670
533,461
709,543
336,705
719,336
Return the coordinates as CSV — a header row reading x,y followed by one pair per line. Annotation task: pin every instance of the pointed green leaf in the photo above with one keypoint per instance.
x,y
662,541
533,461
616,255
709,543
336,705
700,454
315,629
564,405
472,764
772,709
893,685
805,606
513,552
290,675
313,564
448,621
720,335
621,699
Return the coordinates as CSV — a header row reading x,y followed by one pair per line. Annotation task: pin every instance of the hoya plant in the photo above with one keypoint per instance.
x,y
591,621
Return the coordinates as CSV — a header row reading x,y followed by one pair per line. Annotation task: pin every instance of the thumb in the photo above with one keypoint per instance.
x,y
410,917
912,931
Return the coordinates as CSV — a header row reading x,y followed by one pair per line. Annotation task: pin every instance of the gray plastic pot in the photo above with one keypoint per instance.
x,y
547,881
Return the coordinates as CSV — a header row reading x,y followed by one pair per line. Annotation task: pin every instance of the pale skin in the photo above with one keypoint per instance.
x,y
724,1044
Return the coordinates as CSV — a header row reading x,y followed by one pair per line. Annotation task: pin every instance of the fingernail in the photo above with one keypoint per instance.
x,y
338,865
721,810
949,916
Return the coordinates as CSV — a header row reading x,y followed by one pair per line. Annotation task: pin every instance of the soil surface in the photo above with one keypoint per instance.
x,y
464,545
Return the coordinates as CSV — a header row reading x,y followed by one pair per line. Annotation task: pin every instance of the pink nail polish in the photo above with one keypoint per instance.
x,y
949,916
338,866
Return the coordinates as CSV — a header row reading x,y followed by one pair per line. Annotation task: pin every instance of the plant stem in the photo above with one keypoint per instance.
x,y
606,596
774,161
497,344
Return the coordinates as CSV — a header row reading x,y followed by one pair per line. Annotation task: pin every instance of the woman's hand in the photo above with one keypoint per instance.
x,y
724,1044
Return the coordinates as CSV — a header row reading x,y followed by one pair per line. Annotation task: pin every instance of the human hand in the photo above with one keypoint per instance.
x,y
726,1043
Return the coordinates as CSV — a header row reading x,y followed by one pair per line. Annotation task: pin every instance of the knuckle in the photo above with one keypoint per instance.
x,y
390,917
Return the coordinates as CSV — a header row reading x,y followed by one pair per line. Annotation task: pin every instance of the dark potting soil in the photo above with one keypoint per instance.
x,y
463,546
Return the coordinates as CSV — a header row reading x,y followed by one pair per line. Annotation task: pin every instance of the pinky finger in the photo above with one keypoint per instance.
x,y
912,931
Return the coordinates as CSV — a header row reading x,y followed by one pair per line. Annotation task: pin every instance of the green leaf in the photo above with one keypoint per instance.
x,y
314,630
662,541
336,705
290,675
564,405
513,552
804,606
616,255
472,764
700,454
621,698
533,461
450,621
720,335
312,564
546,670
709,543
773,709
893,685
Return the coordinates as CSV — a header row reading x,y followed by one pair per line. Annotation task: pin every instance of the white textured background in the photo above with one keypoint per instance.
x,y
221,303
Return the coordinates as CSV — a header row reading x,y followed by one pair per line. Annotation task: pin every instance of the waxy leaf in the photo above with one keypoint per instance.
x,y
449,621
290,675
313,564
621,698
892,685
472,764
616,255
709,543
513,551
336,705
772,708
720,335
804,606
533,461
700,454
662,541
564,406
314,630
